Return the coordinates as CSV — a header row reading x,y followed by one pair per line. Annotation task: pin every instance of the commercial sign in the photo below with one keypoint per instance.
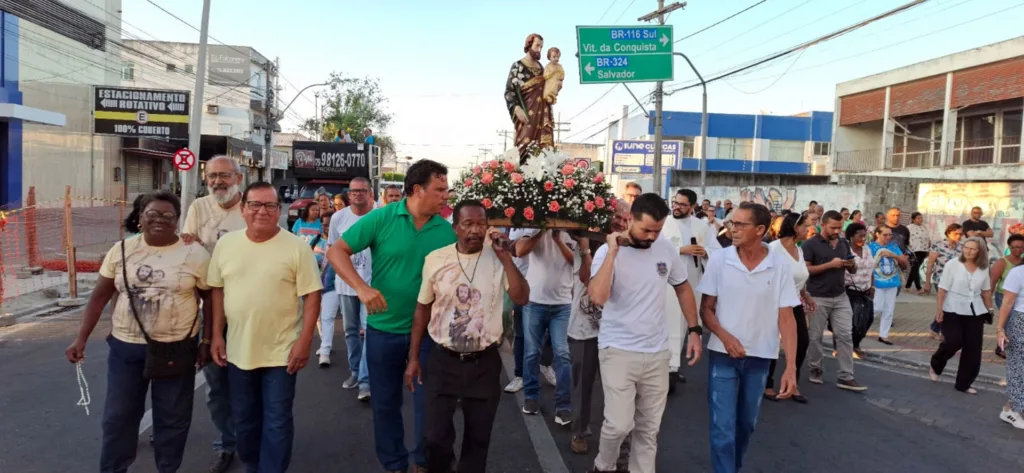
x,y
637,157
613,54
329,160
123,111
278,159
229,65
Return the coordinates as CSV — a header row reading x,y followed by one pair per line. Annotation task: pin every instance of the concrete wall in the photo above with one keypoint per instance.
x,y
792,197
946,203
883,193
867,136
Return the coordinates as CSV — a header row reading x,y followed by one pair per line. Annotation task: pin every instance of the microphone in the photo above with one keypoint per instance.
x,y
696,259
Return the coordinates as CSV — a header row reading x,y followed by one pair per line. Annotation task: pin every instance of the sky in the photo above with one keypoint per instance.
x,y
443,63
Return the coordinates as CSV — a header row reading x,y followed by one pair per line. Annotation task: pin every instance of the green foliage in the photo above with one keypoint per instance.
x,y
353,104
393,176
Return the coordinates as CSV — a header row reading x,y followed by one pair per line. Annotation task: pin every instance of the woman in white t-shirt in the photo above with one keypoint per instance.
x,y
1010,336
793,231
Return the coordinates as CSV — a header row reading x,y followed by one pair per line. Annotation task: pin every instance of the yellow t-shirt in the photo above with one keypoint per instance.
x,y
466,316
163,280
209,221
262,285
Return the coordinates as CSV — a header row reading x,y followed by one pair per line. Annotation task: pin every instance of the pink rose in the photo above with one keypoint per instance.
x,y
528,213
517,178
599,202
589,206
509,212
599,178
468,183
568,169
569,183
493,164
554,206
509,167
487,203
476,170
611,203
486,178
549,186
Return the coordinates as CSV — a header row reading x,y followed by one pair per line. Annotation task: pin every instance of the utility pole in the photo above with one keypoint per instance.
x,y
268,109
559,129
190,178
505,134
483,152
659,95
316,117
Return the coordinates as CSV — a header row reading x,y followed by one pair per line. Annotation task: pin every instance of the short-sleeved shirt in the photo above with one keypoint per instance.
x,y
748,302
964,289
1014,283
634,316
944,253
585,316
886,272
340,223
162,282
307,230
918,238
399,250
796,266
863,278
209,221
465,315
831,282
900,236
970,225
262,285
549,274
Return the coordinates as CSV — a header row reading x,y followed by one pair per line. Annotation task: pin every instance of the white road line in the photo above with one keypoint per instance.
x,y
147,418
548,456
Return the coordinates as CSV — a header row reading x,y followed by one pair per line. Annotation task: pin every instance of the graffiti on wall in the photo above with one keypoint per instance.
x,y
946,203
775,198
796,198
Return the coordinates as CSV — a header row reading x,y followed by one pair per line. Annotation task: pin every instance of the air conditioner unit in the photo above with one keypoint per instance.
x,y
213,109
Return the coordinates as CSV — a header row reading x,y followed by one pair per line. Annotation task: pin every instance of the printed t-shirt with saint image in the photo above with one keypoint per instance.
x,y
209,221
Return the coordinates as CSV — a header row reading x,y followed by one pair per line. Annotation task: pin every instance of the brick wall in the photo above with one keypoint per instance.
x,y
924,95
989,83
862,107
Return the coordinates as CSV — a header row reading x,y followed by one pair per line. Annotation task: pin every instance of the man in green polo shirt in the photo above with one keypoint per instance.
x,y
399,237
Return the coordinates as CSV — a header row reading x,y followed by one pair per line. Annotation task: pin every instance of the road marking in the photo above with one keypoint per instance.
x,y
543,443
147,418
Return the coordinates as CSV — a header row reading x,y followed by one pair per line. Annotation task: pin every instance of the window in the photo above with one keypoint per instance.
x,y
822,148
785,151
128,71
171,68
733,148
189,68
1011,137
225,129
975,142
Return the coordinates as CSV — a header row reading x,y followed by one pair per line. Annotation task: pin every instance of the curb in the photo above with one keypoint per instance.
x,y
42,310
898,362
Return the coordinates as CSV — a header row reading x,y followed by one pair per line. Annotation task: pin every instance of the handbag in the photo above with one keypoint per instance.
x,y
163,359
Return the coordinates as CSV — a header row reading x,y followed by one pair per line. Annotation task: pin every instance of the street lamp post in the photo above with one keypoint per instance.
x,y
703,126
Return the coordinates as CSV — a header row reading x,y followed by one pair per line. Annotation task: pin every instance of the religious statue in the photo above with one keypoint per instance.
x,y
553,76
524,97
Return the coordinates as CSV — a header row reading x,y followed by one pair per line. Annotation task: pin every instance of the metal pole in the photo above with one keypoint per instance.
x,y
658,99
190,178
703,127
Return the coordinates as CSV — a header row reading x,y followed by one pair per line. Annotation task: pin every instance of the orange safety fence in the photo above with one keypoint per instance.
x,y
41,240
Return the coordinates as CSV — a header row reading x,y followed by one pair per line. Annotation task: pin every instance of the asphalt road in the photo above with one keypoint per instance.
x,y
43,431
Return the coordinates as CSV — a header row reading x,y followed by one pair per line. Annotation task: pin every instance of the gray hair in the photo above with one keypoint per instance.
x,y
982,260
360,179
234,164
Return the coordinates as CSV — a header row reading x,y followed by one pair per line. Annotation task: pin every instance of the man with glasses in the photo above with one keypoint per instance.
x,y
352,311
258,276
209,218
633,190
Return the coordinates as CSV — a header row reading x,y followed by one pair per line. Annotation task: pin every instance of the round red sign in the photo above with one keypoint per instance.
x,y
184,159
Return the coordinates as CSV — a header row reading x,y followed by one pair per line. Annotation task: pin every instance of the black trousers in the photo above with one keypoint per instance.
x,y
803,340
963,333
915,271
585,365
477,383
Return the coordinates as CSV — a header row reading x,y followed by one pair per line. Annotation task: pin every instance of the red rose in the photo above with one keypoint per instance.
x,y
493,164
611,203
509,167
599,202
476,170
589,206
528,213
509,212
468,183
599,178
486,203
549,186
517,178
569,183
568,169
487,178
554,206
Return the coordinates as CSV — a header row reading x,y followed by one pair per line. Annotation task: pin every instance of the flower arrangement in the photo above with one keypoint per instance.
x,y
1016,229
548,191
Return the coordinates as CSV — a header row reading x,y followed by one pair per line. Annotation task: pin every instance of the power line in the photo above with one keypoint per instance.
x,y
610,89
748,30
624,11
734,15
610,5
776,81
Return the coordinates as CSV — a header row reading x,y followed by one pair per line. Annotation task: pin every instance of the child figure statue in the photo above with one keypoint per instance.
x,y
554,74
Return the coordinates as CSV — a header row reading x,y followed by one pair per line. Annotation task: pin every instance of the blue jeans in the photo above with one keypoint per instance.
x,y
355,319
261,402
126,402
554,319
735,386
386,356
998,300
519,340
218,401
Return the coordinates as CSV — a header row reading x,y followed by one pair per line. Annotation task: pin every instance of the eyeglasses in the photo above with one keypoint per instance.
x,y
157,215
223,176
256,206
358,191
741,225
680,204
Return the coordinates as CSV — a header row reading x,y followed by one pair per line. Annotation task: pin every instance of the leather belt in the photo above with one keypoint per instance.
x,y
468,355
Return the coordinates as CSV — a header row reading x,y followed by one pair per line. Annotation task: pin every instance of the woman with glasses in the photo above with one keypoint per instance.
x,y
159,280
309,226
889,262
965,296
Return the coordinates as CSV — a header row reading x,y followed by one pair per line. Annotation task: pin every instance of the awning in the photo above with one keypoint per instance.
x,y
10,111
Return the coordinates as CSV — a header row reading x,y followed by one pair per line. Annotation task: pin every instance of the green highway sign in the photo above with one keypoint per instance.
x,y
612,54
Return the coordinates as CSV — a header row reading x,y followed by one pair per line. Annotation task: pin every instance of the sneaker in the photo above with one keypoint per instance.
x,y
815,376
850,385
549,375
1009,417
515,385
325,361
563,417
531,406
221,462
351,383
364,395
578,445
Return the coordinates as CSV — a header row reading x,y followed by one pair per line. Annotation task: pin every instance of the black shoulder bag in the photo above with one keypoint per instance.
x,y
163,359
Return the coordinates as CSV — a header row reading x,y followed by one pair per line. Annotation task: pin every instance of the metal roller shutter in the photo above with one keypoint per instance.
x,y
132,177
146,184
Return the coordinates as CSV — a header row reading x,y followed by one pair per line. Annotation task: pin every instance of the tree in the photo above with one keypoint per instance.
x,y
354,104
393,176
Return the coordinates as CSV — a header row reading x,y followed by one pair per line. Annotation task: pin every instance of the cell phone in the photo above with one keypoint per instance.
x,y
849,257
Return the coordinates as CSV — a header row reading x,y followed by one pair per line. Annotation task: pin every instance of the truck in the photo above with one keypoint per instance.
x,y
325,168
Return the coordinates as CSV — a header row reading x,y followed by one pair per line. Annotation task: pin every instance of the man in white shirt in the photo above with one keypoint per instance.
x,y
208,218
749,295
551,254
631,277
352,310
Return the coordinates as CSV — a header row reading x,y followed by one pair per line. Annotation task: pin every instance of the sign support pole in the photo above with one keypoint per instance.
x,y
659,97
189,178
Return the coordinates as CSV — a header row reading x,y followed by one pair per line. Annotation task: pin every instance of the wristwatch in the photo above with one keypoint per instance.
x,y
204,341
695,329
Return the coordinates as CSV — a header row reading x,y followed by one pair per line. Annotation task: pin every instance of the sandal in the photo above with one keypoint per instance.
x,y
800,398
771,395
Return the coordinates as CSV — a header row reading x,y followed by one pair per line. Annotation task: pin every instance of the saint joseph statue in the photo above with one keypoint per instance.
x,y
524,97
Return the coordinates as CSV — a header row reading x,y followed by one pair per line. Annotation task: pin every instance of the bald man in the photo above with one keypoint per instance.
x,y
209,218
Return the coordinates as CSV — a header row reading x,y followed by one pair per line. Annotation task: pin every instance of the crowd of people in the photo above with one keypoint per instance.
x,y
421,284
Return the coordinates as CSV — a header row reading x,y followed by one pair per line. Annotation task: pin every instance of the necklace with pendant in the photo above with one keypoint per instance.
x,y
463,268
